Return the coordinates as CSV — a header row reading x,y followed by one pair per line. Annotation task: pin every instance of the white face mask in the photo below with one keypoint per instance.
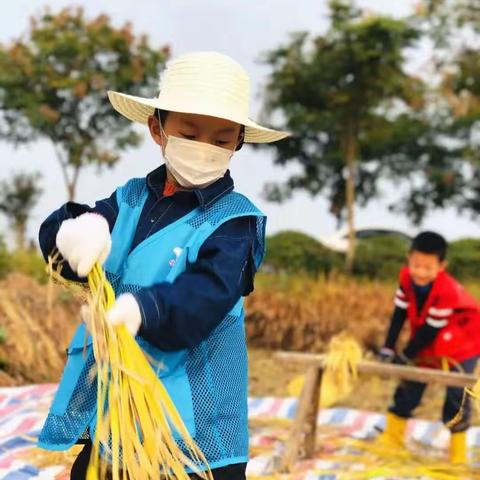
x,y
195,164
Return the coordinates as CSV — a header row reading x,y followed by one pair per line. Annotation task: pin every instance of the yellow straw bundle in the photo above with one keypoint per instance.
x,y
474,392
135,416
340,373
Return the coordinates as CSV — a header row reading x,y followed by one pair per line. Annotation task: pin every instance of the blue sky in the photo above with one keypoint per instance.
x,y
242,30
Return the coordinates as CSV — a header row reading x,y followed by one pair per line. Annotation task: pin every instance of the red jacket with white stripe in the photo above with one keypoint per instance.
x,y
448,307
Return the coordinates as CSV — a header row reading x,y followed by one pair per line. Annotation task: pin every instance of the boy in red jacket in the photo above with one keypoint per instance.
x,y
444,324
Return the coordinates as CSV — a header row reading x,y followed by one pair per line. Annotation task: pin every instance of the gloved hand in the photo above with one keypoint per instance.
x,y
83,241
402,359
126,310
386,355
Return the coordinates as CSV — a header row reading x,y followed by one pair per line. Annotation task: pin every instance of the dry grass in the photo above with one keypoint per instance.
x,y
38,321
296,313
284,313
299,313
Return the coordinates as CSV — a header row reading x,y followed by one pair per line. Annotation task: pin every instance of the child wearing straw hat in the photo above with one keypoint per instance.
x,y
181,249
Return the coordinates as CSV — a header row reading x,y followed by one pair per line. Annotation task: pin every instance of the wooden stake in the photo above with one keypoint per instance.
x,y
302,441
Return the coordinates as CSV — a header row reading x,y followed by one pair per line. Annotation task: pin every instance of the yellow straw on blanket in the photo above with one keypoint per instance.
x,y
136,417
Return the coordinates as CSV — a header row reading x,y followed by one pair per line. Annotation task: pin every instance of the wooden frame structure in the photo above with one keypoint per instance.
x,y
301,442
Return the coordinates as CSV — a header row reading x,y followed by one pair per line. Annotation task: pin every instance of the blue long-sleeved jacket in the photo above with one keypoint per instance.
x,y
183,313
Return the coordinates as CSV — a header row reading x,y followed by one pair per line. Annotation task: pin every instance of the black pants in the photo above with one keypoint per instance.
x,y
409,394
230,472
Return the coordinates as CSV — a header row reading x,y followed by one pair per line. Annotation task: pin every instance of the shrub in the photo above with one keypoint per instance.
x,y
464,259
295,252
380,257
5,260
31,263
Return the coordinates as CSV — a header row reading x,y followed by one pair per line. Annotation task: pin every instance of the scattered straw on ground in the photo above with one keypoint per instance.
x,y
341,457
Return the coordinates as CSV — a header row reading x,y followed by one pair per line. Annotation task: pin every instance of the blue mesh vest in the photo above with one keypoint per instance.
x,y
207,383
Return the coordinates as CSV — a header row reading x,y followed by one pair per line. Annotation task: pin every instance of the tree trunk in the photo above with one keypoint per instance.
x,y
350,159
71,191
72,184
20,228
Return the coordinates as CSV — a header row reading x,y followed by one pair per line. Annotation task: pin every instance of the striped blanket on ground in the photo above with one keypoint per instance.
x,y
23,409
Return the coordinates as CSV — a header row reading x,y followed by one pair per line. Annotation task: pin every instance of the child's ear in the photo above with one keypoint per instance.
x,y
155,131
241,139
444,265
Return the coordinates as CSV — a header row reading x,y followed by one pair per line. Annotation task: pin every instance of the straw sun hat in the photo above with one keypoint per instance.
x,y
205,83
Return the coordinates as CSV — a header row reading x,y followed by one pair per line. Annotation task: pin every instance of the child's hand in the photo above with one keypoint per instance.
x,y
386,355
402,359
83,241
126,310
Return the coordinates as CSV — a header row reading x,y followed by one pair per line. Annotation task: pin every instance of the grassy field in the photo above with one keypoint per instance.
x,y
299,313
293,313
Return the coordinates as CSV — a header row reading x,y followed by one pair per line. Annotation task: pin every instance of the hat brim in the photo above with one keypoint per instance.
x,y
138,109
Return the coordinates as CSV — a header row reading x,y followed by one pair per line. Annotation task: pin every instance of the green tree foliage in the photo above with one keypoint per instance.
x,y
444,18
18,196
443,161
338,93
53,86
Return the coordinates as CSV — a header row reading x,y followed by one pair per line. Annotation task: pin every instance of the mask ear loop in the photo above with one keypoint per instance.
x,y
164,135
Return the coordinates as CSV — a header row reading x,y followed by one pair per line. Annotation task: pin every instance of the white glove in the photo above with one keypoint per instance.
x,y
126,310
83,241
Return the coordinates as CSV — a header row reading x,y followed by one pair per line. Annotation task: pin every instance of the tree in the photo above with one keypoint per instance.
x,y
443,18
336,93
18,196
441,146
53,85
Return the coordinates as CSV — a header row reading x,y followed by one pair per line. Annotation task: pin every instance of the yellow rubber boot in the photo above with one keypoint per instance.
x,y
394,433
458,448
